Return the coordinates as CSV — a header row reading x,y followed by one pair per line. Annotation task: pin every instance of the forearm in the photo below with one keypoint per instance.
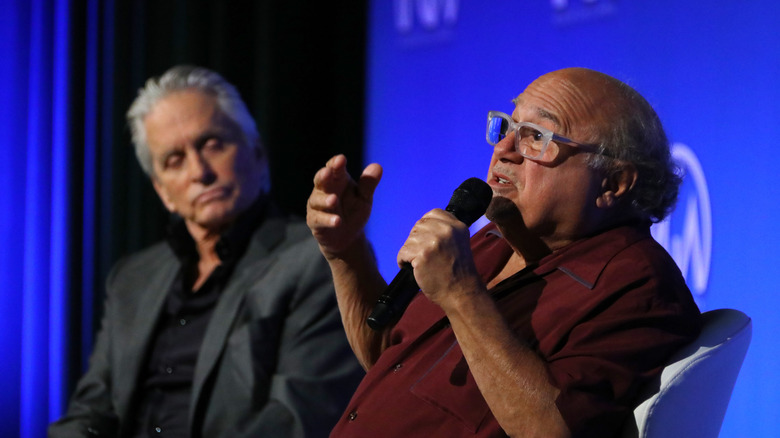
x,y
358,284
511,377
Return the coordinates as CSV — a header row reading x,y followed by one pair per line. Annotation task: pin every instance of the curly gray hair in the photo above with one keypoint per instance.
x,y
184,77
636,135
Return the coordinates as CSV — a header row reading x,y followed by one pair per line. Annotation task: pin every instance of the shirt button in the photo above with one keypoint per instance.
x,y
158,429
397,367
352,415
169,370
182,321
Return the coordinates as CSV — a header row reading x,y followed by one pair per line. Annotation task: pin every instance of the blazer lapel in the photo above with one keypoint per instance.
x,y
252,266
135,338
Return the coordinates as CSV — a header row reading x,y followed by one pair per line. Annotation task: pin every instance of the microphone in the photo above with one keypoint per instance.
x,y
468,203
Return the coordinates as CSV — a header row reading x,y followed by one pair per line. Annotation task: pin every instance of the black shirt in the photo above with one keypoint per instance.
x,y
163,400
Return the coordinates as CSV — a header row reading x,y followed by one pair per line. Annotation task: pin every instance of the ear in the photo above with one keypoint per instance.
x,y
163,194
616,184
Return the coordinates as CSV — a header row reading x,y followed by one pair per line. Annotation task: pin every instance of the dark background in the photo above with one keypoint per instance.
x,y
299,69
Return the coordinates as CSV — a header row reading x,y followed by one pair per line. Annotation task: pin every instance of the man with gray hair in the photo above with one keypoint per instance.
x,y
230,328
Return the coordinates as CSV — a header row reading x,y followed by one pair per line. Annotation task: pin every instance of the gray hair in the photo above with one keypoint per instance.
x,y
637,136
183,77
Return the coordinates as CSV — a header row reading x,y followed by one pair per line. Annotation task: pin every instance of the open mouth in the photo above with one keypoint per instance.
x,y
500,178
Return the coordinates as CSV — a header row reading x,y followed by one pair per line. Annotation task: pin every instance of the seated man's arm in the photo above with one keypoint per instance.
x,y
90,410
645,314
587,386
337,212
512,378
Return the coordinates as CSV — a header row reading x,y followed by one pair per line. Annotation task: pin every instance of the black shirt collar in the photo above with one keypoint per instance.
x,y
233,241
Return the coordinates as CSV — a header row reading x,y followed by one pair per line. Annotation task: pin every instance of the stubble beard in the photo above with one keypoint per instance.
x,y
502,211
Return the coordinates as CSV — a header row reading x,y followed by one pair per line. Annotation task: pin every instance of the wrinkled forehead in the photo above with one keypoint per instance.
x,y
571,100
182,106
194,107
528,110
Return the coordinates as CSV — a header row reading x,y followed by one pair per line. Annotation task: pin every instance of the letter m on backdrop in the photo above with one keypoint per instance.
x,y
430,14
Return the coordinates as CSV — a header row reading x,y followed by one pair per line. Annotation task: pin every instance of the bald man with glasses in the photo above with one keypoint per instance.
x,y
547,321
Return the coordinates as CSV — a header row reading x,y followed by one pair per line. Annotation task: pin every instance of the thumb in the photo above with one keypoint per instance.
x,y
368,181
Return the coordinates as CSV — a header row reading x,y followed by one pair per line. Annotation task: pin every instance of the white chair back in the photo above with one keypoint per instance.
x,y
692,393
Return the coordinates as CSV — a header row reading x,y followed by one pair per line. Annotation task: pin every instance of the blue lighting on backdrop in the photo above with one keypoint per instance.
x,y
35,173
13,47
44,303
709,68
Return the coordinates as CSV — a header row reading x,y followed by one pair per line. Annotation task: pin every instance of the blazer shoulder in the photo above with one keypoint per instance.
x,y
283,233
141,264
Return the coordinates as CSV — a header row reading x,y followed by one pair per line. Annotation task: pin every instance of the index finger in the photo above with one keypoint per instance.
x,y
333,176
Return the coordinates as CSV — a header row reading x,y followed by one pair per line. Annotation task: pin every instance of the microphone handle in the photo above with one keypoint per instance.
x,y
468,203
400,292
389,306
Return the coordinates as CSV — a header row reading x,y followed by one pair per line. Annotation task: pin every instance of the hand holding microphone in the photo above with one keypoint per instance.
x,y
468,203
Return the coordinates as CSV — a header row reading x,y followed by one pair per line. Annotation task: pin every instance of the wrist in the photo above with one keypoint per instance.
x,y
466,299
354,251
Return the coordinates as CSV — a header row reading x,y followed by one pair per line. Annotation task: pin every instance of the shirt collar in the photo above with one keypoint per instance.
x,y
583,260
231,244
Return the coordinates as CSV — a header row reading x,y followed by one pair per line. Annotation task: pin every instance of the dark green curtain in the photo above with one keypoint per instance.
x,y
298,65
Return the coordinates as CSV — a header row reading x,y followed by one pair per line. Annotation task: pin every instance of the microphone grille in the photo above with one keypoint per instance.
x,y
470,200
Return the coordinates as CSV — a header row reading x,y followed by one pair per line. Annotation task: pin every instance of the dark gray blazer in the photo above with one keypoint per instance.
x,y
274,361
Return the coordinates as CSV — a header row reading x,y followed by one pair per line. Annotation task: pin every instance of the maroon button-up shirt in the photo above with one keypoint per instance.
x,y
603,312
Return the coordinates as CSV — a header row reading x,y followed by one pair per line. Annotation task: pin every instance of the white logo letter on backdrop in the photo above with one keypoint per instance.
x,y
687,232
572,12
428,12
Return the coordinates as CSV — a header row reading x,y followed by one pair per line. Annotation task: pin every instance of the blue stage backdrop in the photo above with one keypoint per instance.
x,y
36,173
436,67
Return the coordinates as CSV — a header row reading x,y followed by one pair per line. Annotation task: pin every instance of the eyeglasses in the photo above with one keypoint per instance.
x,y
531,140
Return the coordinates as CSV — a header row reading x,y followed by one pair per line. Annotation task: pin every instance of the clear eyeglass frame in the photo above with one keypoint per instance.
x,y
531,140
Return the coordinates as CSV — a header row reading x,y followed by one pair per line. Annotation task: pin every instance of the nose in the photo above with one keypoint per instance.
x,y
506,150
199,169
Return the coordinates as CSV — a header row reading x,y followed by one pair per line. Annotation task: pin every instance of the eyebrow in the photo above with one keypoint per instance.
x,y
227,134
204,136
541,112
198,141
167,154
